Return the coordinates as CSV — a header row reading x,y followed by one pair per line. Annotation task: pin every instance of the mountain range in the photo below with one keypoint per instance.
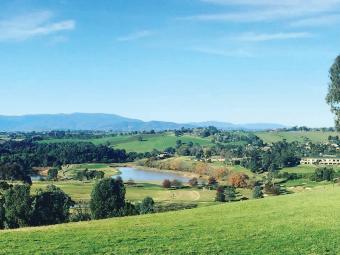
x,y
106,122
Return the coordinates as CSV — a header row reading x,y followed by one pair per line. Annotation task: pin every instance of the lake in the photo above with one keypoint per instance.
x,y
141,175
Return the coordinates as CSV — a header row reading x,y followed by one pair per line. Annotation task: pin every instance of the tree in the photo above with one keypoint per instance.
x,y
239,180
50,206
220,196
17,206
193,182
212,181
166,184
257,192
52,174
176,183
229,193
323,174
333,96
147,206
108,198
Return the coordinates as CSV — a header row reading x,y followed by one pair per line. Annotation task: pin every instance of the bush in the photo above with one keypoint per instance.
x,y
166,184
257,192
212,181
172,207
108,198
147,206
272,189
193,182
52,174
323,174
81,212
176,183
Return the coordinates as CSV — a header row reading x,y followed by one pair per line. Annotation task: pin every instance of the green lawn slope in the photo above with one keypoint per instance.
x,y
299,136
304,223
133,143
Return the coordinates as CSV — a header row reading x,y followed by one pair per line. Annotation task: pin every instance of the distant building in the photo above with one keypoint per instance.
x,y
320,161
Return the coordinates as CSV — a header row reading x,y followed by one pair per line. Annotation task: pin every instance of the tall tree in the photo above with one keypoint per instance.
x,y
108,198
333,96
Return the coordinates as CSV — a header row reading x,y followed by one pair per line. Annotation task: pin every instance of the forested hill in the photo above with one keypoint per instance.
x,y
99,121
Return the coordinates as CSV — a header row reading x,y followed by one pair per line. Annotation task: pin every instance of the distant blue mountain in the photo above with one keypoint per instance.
x,y
100,121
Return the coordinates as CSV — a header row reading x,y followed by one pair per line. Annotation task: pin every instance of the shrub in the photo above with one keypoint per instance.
x,y
323,174
147,206
193,182
176,183
166,184
212,181
81,212
273,189
52,174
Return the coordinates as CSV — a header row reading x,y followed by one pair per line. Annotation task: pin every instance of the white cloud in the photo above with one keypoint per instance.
x,y
326,20
35,24
223,53
135,36
267,10
255,37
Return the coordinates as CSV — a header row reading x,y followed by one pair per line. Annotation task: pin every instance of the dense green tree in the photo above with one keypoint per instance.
x,y
333,96
230,193
50,206
257,192
108,198
52,174
17,206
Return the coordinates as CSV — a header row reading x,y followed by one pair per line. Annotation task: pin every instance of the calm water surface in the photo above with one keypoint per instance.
x,y
146,175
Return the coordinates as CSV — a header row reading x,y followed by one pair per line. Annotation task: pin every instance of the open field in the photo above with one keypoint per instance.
x,y
304,223
82,191
300,136
133,143
70,171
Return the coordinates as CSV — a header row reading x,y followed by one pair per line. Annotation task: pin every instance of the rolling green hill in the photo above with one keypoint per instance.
x,y
303,223
133,143
300,136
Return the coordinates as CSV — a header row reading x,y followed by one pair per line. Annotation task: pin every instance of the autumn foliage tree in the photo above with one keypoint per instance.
x,y
239,180
166,184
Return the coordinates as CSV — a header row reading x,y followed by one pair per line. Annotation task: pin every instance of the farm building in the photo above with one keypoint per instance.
x,y
320,161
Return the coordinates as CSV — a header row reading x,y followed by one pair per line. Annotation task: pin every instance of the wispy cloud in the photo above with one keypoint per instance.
x,y
135,36
267,10
31,25
222,52
326,20
256,37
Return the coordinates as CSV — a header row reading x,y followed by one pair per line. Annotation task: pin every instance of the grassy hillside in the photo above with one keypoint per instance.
x,y
300,136
132,142
82,191
304,223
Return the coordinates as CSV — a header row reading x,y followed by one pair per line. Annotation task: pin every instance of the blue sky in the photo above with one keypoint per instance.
x,y
239,61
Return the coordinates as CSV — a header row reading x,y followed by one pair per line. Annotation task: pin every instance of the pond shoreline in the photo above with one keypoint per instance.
x,y
184,174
